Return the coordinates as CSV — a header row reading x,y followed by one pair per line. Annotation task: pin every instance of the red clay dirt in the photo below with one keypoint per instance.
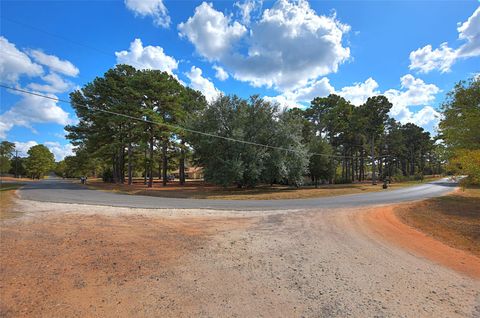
x,y
384,222
67,267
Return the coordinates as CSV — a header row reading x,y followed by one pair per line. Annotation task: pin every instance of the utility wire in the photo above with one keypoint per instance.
x,y
57,36
173,127
139,119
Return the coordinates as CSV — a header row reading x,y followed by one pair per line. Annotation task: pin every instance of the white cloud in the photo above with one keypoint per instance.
x,y
426,59
202,84
211,32
415,92
295,98
59,151
148,57
425,116
55,84
54,63
14,63
288,47
470,32
358,93
283,101
32,109
220,73
22,147
153,8
248,7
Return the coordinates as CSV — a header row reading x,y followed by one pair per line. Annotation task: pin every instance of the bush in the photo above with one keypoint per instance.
x,y
467,162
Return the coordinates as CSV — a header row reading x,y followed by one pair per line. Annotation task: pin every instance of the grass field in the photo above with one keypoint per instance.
x,y
7,193
453,219
201,190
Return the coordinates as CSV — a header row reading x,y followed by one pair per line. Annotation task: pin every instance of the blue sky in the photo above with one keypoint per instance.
x,y
287,51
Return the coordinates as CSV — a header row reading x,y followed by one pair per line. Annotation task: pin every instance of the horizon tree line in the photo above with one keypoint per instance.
x,y
242,142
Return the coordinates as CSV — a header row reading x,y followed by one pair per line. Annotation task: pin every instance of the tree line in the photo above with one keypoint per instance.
x,y
39,161
242,142
166,126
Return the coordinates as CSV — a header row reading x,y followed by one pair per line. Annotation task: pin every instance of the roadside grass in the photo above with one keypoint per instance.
x,y
7,194
10,186
453,219
21,180
201,190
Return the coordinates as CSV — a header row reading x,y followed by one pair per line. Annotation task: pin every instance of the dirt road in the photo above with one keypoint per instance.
x,y
70,260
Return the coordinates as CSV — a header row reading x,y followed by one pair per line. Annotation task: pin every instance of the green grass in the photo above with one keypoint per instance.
x,y
10,186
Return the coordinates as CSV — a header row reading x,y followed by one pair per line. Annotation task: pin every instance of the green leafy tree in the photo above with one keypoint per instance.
x,y
39,162
460,125
375,113
6,153
319,165
296,160
460,129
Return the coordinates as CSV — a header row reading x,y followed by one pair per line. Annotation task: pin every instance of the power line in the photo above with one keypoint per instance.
x,y
173,127
57,36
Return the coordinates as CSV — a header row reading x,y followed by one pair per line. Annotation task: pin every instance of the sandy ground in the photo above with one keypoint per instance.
x,y
61,260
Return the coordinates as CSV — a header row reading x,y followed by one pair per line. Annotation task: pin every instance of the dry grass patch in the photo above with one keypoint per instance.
x,y
7,196
452,219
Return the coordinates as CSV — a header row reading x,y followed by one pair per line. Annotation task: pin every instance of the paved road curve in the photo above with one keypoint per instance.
x,y
61,191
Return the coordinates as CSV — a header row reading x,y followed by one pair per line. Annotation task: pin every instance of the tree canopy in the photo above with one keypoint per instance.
x,y
460,128
39,162
242,142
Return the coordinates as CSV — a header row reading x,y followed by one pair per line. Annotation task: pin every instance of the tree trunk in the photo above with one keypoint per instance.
x,y
146,167
122,164
165,161
150,168
160,165
130,174
181,167
362,165
374,177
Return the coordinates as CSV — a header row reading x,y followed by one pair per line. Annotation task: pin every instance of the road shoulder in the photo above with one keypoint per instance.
x,y
385,224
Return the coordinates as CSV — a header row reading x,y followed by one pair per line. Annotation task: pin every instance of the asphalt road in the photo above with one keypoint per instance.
x,y
63,191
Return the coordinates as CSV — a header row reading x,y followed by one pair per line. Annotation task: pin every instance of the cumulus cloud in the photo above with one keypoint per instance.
x,y
14,63
283,101
212,33
54,84
358,93
54,63
148,57
470,32
296,98
59,151
413,92
426,115
202,84
247,8
427,59
289,46
220,73
32,109
152,8
22,147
